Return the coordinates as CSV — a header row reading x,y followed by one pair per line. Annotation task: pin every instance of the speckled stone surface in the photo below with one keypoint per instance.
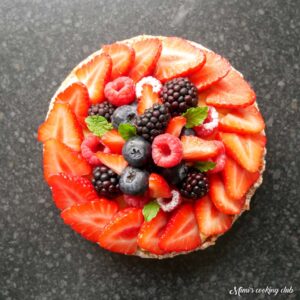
x,y
40,42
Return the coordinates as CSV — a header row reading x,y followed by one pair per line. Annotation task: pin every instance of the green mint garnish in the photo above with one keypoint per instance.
x,y
204,166
150,210
127,131
98,125
195,116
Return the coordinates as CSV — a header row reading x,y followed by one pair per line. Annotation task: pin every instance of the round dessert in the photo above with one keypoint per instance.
x,y
153,147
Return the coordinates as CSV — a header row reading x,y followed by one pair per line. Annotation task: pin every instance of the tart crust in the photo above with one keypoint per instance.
x,y
206,241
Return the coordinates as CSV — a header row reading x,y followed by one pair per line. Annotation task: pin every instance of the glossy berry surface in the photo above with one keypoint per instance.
x,y
175,174
124,114
188,131
104,109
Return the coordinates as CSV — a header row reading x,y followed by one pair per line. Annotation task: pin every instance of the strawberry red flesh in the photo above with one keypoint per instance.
x,y
158,187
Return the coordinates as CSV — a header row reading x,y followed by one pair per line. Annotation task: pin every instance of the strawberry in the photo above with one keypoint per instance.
x,y
221,199
181,232
210,220
122,56
59,158
89,219
115,162
68,190
237,180
77,96
178,58
62,125
113,140
195,148
158,187
120,234
95,74
230,92
247,150
150,233
147,53
175,125
148,99
243,121
215,68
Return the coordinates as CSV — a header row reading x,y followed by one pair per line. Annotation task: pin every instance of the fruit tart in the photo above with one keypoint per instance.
x,y
153,146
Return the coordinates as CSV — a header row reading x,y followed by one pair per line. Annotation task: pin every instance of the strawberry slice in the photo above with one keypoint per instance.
x,y
115,162
122,58
89,219
244,120
237,180
147,53
62,125
210,220
68,190
215,68
195,148
158,187
113,140
120,234
150,233
181,233
221,199
247,150
148,99
175,125
77,96
95,74
178,58
58,158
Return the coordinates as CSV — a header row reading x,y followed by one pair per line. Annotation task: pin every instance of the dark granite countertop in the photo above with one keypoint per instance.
x,y
40,42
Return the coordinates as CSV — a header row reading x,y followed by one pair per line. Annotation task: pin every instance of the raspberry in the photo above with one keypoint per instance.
x,y
167,150
209,124
121,91
137,201
156,85
168,205
219,160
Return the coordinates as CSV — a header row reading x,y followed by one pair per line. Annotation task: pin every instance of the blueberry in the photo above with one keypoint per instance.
x,y
137,151
134,181
124,114
175,174
188,131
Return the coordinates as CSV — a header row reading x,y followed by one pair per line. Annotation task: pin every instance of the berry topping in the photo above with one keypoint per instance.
x,y
175,174
122,58
134,181
176,125
158,187
137,200
137,151
106,182
209,125
95,74
89,219
168,205
120,234
149,80
210,220
90,145
61,125
215,68
188,132
68,190
166,150
148,99
113,140
115,162
124,114
77,96
121,91
104,109
220,163
179,94
178,58
147,53
181,232
153,122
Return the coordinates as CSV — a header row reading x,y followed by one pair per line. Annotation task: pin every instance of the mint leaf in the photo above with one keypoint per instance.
x,y
150,210
195,116
98,125
204,166
127,131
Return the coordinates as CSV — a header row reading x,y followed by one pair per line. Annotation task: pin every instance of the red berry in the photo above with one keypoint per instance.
x,y
209,125
168,205
167,150
219,160
137,201
120,92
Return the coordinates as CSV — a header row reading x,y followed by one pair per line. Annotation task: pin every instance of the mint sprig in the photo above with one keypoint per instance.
x,y
204,166
127,130
98,125
150,210
195,116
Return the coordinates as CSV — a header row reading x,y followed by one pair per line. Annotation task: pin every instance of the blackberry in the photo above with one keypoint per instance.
x,y
179,94
195,185
153,122
106,182
104,109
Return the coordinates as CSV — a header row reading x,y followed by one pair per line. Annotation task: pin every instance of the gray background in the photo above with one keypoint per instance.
x,y
41,41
